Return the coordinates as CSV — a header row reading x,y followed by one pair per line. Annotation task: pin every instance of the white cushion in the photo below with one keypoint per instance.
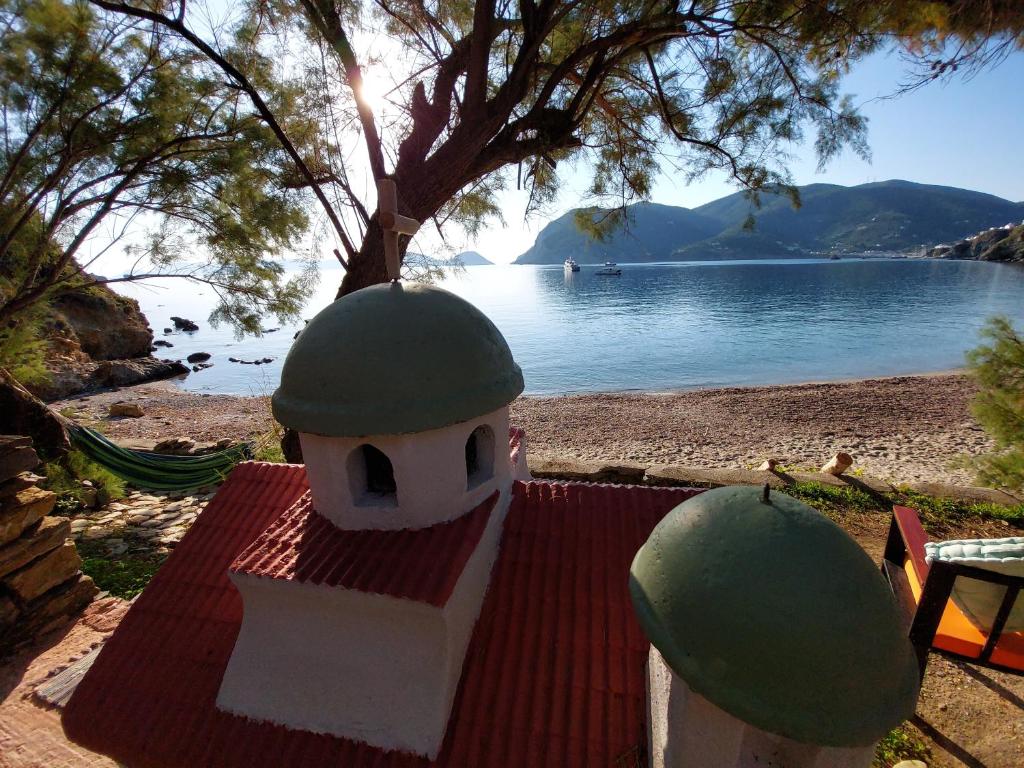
x,y
980,600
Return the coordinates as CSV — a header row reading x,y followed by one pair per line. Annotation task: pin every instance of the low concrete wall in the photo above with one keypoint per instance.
x,y
555,467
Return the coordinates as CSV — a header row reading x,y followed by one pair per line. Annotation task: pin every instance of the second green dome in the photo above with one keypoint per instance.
x,y
774,614
394,359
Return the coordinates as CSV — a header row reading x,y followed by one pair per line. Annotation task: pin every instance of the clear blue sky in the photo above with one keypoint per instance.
x,y
965,133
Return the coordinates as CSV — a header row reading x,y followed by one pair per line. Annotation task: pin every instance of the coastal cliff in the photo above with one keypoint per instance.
x,y
97,339
1000,244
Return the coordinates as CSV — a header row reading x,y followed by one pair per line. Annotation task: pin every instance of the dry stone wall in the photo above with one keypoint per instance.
x,y
41,584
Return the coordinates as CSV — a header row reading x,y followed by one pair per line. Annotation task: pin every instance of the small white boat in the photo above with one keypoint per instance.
x,y
612,271
610,264
571,265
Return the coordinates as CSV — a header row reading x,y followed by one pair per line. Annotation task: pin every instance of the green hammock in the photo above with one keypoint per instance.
x,y
155,471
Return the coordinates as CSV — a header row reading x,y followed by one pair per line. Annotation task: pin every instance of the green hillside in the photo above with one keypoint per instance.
x,y
889,216
652,233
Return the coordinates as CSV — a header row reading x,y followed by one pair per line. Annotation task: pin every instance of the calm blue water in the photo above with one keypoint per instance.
x,y
674,326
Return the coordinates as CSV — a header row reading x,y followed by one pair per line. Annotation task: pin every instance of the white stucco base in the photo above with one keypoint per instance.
x,y
688,731
367,667
430,475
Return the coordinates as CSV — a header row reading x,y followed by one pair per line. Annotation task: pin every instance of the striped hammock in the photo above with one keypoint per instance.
x,y
156,471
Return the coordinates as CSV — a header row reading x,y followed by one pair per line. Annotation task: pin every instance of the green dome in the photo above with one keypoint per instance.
x,y
774,614
393,359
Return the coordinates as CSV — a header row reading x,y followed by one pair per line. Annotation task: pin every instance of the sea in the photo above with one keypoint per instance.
x,y
664,326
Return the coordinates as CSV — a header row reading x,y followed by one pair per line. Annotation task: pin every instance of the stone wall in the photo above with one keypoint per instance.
x,y
41,584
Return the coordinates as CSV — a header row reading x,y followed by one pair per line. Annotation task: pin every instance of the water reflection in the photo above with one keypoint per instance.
x,y
666,326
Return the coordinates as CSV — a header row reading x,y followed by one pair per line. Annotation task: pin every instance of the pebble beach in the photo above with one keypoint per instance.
x,y
905,429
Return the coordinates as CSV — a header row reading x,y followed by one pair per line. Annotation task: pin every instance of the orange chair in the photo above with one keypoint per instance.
x,y
934,621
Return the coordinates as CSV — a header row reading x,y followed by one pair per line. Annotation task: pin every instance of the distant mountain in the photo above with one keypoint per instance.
x,y
889,216
473,259
653,233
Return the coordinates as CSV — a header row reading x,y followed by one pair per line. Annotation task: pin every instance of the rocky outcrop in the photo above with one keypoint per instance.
x,y
98,339
128,410
74,375
184,324
41,585
124,373
22,413
105,325
1000,244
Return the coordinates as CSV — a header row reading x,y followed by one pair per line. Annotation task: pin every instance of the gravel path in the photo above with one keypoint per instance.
x,y
909,428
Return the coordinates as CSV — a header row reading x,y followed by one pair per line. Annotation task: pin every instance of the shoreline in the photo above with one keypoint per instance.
x,y
169,383
961,371
908,428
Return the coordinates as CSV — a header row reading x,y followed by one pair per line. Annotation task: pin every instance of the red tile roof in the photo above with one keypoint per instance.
x,y
421,565
554,675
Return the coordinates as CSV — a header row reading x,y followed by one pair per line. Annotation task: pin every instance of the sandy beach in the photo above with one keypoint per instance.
x,y
907,428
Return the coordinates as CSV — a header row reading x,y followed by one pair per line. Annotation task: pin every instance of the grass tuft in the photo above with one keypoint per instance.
x,y
935,513
900,744
123,576
268,448
944,511
835,502
65,478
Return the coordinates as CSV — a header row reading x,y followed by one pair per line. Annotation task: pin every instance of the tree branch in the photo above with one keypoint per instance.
x,y
178,26
324,16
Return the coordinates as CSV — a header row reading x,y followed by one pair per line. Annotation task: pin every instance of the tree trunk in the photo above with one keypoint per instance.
x,y
368,267
22,413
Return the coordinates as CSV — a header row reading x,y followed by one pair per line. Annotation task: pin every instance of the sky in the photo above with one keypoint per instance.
x,y
966,133
963,133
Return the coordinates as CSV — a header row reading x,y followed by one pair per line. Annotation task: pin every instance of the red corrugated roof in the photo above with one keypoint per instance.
x,y
422,565
554,675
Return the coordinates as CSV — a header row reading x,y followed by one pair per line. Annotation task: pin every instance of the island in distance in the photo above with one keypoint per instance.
x,y
888,217
473,259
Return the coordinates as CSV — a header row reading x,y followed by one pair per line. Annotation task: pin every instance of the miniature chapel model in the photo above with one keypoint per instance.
x,y
410,597
398,394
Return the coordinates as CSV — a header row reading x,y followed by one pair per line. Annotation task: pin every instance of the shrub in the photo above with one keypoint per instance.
x,y
998,367
23,348
65,478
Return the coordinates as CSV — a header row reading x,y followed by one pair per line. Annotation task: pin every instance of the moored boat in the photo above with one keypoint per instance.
x,y
571,265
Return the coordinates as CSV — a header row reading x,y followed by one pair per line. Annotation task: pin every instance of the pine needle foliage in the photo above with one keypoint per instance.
x,y
998,366
114,134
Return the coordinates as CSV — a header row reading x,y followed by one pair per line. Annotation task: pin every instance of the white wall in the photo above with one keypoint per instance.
x,y
367,667
688,731
430,475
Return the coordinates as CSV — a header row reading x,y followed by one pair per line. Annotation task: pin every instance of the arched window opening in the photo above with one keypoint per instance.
x,y
371,476
479,456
